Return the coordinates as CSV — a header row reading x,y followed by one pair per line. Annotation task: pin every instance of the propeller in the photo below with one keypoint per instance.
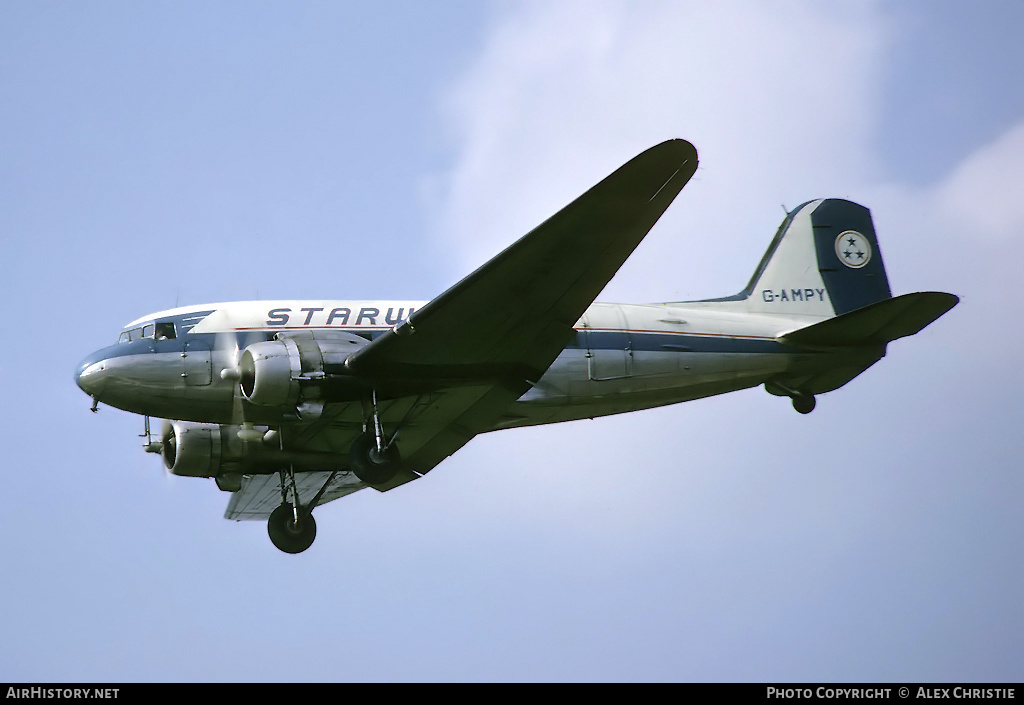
x,y
229,349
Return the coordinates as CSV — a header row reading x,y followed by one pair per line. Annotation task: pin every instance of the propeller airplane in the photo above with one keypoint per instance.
x,y
289,405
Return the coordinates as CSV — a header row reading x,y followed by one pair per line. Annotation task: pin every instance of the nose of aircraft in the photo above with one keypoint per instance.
x,y
89,375
136,377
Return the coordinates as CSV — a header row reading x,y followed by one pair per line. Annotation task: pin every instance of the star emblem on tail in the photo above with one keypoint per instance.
x,y
853,249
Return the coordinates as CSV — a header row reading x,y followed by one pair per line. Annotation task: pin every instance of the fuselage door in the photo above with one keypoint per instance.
x,y
197,368
608,341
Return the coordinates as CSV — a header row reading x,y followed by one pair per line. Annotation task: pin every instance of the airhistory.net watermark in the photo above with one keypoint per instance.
x,y
45,693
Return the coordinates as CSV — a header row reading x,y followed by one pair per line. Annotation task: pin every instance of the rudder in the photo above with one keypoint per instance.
x,y
848,256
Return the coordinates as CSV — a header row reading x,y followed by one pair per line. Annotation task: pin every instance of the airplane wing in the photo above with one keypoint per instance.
x,y
487,339
511,317
450,370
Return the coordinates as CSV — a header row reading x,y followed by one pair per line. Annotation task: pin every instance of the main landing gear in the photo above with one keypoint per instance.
x,y
373,463
291,526
292,529
373,458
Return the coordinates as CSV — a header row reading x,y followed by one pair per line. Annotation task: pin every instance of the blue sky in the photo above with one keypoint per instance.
x,y
162,153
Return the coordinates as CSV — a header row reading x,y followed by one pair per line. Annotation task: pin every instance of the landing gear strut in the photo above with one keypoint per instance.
x,y
291,526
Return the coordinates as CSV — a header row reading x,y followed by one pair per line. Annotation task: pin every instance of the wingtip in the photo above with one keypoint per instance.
x,y
677,146
685,148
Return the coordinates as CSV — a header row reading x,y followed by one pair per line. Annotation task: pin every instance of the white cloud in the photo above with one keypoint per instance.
x,y
954,235
982,197
778,98
782,101
763,525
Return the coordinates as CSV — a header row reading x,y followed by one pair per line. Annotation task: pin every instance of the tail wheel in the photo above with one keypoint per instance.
x,y
372,466
804,403
289,533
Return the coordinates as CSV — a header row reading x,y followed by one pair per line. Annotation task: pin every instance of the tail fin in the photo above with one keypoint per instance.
x,y
824,261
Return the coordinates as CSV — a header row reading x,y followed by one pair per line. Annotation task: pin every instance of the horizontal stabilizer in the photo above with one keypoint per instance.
x,y
876,324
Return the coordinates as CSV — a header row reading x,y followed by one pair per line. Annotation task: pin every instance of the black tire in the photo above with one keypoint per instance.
x,y
289,535
371,466
804,403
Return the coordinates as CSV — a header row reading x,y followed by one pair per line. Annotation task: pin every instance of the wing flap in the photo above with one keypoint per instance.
x,y
261,494
455,417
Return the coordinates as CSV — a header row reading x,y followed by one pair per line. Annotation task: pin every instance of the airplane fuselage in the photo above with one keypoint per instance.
x,y
624,357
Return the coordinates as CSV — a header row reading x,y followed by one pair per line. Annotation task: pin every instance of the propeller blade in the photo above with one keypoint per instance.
x,y
229,350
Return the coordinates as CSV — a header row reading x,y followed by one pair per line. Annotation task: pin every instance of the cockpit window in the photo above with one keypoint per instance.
x,y
165,330
147,331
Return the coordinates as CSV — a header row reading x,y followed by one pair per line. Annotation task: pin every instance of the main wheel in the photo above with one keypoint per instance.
x,y
289,535
370,465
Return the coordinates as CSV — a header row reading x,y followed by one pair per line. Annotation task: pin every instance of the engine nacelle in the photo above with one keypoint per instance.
x,y
191,449
293,370
269,373
210,450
